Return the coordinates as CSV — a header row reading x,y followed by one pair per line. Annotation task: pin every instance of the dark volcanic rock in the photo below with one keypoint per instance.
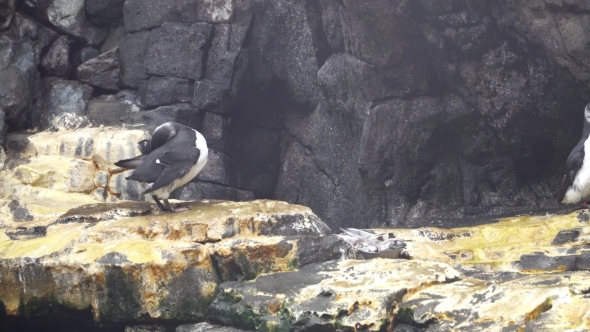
x,y
66,16
132,51
215,129
176,50
101,72
211,96
566,235
148,14
65,104
194,191
181,113
220,169
6,13
56,61
105,13
167,90
109,111
85,54
19,83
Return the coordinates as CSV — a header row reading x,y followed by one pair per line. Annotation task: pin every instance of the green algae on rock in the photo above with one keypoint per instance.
x,y
129,263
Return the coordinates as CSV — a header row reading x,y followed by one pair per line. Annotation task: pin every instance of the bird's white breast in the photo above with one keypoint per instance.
x,y
580,189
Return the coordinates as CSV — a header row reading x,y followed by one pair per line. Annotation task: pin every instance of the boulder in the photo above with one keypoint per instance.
x,y
112,40
68,17
132,53
39,36
212,97
110,111
177,50
215,129
65,104
101,72
20,84
145,15
317,293
105,13
166,90
3,128
58,173
113,260
150,120
56,61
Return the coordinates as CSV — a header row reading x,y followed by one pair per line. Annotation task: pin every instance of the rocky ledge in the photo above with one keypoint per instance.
x,y
272,266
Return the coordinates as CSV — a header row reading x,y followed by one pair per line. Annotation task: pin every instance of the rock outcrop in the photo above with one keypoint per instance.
x,y
391,113
269,265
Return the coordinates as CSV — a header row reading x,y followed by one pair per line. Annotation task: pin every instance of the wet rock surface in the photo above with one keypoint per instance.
x,y
383,114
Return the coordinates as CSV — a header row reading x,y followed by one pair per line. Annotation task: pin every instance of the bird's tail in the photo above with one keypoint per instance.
x,y
130,163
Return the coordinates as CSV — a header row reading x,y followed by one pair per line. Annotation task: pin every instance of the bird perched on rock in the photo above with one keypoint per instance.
x,y
173,156
575,185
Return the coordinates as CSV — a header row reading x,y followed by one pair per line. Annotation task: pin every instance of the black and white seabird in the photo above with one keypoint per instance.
x,y
575,185
173,156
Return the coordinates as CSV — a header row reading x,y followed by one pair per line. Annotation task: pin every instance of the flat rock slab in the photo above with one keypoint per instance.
x,y
128,262
345,294
529,303
503,244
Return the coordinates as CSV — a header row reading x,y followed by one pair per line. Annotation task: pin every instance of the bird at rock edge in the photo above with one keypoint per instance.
x,y
172,157
575,186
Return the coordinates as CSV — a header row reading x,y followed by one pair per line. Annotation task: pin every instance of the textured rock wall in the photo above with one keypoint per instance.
x,y
372,113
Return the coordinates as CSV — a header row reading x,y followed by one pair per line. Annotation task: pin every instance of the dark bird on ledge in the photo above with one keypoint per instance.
x,y
575,185
173,156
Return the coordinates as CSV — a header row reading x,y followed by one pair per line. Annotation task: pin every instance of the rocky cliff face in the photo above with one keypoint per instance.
x,y
378,113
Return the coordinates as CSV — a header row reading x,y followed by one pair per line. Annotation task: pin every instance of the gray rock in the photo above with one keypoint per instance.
x,y
66,16
166,90
194,191
26,29
127,190
101,72
65,104
211,96
206,327
7,8
542,262
566,235
102,179
18,88
132,51
176,50
147,14
215,11
221,59
109,112
181,113
56,61
220,169
105,13
112,39
85,54
215,129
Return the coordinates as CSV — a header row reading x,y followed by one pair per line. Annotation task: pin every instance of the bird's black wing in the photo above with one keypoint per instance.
x,y
177,161
572,165
131,163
